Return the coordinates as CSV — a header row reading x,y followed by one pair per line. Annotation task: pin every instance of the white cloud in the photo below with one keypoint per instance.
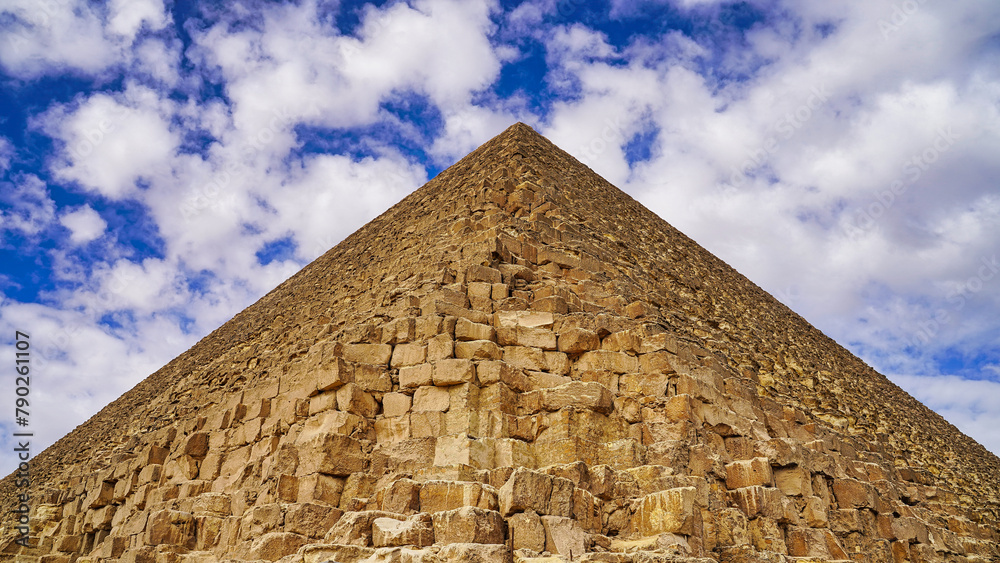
x,y
26,206
84,224
39,38
6,153
113,141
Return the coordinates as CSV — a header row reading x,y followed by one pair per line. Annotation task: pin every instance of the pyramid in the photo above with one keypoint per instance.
x,y
517,362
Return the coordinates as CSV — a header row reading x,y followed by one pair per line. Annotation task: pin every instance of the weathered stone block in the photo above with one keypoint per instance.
x,y
526,531
441,496
564,536
468,525
415,376
793,481
331,454
417,530
669,511
171,527
616,362
430,399
396,404
575,341
593,396
412,354
350,398
310,519
539,319
375,354
453,371
478,350
355,528
757,500
748,473
851,493
468,330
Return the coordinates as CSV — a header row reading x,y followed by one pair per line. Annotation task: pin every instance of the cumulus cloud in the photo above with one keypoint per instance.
x,y
46,38
84,224
26,207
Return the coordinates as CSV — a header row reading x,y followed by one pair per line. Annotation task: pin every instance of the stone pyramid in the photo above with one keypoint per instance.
x,y
518,362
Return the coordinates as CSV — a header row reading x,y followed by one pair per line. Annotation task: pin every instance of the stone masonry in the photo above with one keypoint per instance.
x,y
517,362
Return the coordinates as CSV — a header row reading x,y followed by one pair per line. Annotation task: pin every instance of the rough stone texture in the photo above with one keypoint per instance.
x,y
516,359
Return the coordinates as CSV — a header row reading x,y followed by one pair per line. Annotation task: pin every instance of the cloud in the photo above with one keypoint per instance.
x,y
113,141
84,224
47,38
26,207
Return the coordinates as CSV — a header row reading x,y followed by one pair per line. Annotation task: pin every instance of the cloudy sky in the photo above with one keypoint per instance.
x,y
165,164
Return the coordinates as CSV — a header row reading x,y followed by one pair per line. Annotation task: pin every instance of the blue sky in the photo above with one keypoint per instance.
x,y
166,164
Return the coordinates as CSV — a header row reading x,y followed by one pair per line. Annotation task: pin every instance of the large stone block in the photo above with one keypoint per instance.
x,y
441,496
587,395
851,493
526,531
748,473
617,362
669,511
431,399
412,354
757,500
468,330
375,354
417,530
576,341
478,350
564,536
355,528
171,527
454,371
331,454
275,545
468,525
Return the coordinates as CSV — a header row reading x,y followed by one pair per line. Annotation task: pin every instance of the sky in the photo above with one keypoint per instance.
x,y
165,164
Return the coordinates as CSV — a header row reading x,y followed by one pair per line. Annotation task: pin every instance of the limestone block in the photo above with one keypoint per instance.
x,y
468,330
396,404
453,450
468,525
748,473
392,429
909,529
424,424
430,399
814,513
415,376
731,527
411,354
819,543
622,341
372,378
310,519
375,354
587,510
669,511
793,481
851,493
593,396
332,375
490,372
557,363
521,357
320,488
533,337
475,553
331,454
355,528
331,422
766,535
401,497
399,331
171,527
317,404
564,536
757,500
525,490
531,319
104,492
575,341
453,372
508,452
616,362
441,496
351,399
288,488
645,384
483,274
197,445
478,350
440,347
526,531
417,530
463,397
657,342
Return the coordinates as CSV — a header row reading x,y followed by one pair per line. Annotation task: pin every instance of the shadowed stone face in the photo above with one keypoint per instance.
x,y
516,359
